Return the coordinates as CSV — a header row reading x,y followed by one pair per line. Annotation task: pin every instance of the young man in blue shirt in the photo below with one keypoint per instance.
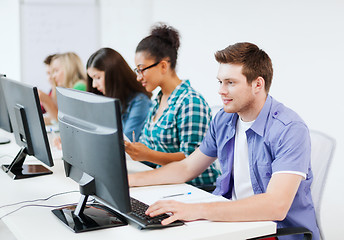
x,y
263,148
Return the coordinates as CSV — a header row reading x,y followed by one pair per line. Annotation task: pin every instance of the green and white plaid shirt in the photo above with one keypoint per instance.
x,y
181,128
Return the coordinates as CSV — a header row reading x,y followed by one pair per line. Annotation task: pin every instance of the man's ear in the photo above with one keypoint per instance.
x,y
258,84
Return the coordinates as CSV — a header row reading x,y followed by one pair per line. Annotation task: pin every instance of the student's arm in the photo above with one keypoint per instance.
x,y
272,205
176,172
139,152
192,123
49,104
137,113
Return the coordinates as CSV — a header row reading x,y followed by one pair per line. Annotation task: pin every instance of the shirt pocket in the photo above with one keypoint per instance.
x,y
166,132
264,165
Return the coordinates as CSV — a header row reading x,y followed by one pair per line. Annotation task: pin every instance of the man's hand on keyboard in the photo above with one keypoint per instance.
x,y
178,211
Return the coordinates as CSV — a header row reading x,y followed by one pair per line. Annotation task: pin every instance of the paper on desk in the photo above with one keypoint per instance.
x,y
134,167
151,194
52,128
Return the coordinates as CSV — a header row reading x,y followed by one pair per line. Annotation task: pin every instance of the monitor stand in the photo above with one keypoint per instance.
x,y
17,170
4,140
83,218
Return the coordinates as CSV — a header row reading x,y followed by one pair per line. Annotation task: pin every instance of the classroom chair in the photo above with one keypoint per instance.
x,y
321,157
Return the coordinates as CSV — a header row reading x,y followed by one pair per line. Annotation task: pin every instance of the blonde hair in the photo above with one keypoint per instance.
x,y
74,70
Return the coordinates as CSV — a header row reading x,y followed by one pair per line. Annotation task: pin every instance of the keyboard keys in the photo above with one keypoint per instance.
x,y
139,208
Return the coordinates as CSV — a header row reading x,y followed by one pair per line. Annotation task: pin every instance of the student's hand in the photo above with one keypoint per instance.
x,y
57,143
137,151
179,211
43,97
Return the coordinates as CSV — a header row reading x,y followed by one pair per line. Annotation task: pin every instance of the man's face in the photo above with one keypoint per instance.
x,y
236,94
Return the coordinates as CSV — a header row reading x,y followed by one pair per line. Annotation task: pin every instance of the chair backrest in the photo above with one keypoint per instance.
x,y
322,149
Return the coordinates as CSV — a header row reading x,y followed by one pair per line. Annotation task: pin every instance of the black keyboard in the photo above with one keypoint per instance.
x,y
139,208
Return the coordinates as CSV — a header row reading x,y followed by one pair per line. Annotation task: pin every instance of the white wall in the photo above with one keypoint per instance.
x,y
124,24
9,39
55,26
33,29
303,38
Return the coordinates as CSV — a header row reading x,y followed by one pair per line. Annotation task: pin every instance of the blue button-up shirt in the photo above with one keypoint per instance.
x,y
277,141
133,118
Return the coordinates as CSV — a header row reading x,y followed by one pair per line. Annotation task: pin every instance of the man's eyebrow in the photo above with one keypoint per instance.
x,y
226,79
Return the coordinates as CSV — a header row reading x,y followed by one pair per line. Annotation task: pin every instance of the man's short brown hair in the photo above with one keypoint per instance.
x,y
256,63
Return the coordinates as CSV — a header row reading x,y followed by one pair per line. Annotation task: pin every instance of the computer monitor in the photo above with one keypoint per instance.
x,y
28,128
5,122
94,156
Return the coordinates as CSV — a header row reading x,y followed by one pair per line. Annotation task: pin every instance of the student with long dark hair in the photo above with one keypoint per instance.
x,y
180,116
109,74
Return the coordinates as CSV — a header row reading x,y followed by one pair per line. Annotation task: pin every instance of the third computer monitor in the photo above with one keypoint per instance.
x,y
5,123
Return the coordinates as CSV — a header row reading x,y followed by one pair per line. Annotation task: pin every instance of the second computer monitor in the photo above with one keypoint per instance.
x,y
29,129
93,152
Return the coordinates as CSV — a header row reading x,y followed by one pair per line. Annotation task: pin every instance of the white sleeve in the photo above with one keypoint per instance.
x,y
304,175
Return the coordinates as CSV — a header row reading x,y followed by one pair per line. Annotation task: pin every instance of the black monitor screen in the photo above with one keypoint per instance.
x,y
93,152
28,127
5,123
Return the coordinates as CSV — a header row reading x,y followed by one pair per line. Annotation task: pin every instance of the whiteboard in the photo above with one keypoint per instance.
x,y
49,27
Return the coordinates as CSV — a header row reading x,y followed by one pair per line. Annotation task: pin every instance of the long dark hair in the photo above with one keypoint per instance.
x,y
163,42
120,79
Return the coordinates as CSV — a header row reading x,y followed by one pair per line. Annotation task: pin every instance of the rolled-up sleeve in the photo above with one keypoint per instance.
x,y
208,145
292,149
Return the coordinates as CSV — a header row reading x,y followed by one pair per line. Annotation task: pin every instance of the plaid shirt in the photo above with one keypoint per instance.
x,y
181,127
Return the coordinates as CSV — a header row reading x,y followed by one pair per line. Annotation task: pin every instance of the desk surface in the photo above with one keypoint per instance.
x,y
37,222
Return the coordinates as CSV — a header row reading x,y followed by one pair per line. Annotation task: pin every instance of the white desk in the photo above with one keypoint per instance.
x,y
40,223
